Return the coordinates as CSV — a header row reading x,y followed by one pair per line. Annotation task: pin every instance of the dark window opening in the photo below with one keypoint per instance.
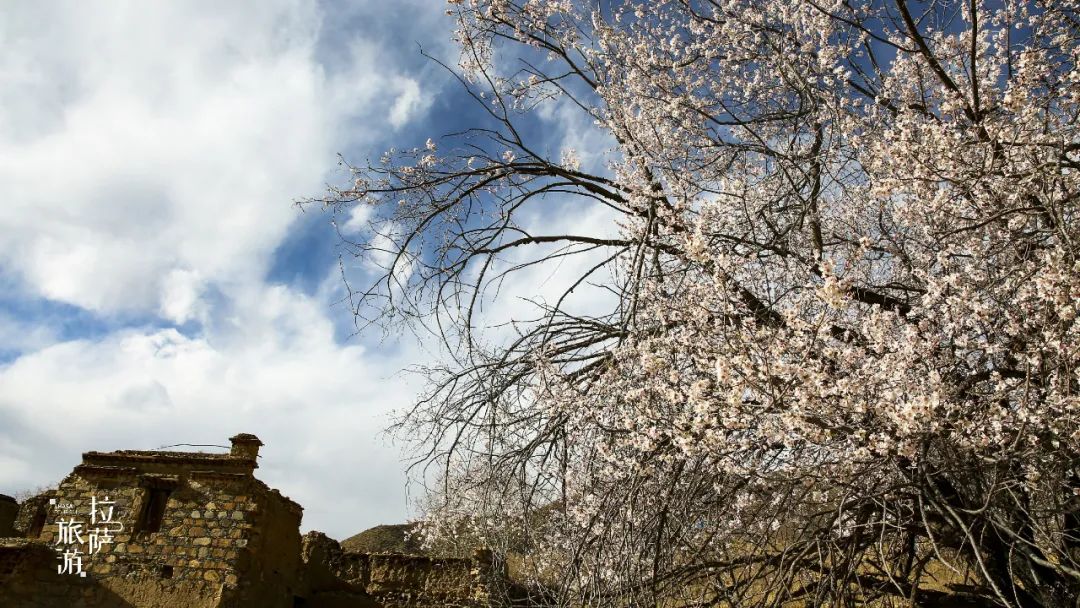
x,y
166,572
38,523
298,602
153,510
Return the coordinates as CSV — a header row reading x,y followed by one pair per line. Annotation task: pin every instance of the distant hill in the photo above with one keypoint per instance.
x,y
393,538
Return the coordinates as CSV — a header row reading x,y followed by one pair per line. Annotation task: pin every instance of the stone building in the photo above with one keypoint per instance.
x,y
161,529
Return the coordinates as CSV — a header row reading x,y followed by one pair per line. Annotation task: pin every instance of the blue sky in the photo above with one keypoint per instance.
x,y
158,285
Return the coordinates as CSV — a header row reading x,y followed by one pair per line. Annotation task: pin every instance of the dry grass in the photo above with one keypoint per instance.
x,y
393,538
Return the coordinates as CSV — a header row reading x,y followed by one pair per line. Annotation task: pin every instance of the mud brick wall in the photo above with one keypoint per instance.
x,y
395,580
269,564
328,567
408,581
28,578
444,578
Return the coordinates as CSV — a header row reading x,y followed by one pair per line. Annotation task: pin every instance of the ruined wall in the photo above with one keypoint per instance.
x,y
9,510
28,578
333,578
329,576
272,577
197,556
401,581
30,510
189,543
405,579
227,543
197,530
167,568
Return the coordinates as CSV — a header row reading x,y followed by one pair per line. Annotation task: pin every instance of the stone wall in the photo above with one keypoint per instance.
x,y
30,510
28,578
9,510
228,543
202,534
198,530
190,561
225,539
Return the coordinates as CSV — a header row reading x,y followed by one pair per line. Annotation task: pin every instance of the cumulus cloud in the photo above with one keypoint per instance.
x,y
148,156
156,151
571,131
409,100
181,297
275,371
164,136
359,216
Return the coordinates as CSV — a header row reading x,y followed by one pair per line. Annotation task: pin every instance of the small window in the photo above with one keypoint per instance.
x,y
166,572
153,510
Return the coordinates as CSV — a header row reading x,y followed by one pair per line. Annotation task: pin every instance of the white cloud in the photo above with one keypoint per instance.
x,y
410,100
359,216
180,297
318,406
522,290
149,153
164,136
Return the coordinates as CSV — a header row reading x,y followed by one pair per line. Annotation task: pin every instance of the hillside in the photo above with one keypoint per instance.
x,y
391,538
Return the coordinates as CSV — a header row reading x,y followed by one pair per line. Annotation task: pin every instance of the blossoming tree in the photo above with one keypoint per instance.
x,y
841,364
